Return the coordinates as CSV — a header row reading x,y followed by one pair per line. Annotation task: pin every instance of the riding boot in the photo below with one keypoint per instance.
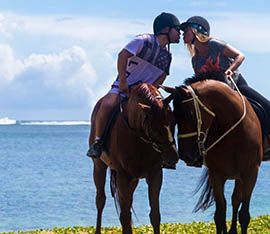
x,y
95,149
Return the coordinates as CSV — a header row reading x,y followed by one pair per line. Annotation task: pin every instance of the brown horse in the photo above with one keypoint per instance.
x,y
216,122
139,142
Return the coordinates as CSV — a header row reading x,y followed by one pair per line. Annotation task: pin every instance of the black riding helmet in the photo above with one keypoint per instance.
x,y
165,20
197,22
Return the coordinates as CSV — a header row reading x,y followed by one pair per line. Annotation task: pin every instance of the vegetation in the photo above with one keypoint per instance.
x,y
259,225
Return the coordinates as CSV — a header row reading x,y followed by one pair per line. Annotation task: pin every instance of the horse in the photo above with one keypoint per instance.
x,y
219,125
138,143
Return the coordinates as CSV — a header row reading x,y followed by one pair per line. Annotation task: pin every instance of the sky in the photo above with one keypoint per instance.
x,y
58,57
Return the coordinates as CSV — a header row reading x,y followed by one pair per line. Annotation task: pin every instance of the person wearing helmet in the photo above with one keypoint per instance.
x,y
210,54
145,59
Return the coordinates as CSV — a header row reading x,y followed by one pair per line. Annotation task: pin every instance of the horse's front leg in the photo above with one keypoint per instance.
x,y
154,181
126,187
249,181
99,178
217,184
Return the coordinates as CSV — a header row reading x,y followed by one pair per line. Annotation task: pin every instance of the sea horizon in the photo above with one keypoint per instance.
x,y
12,121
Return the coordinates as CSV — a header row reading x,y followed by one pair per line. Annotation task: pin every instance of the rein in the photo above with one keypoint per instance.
x,y
201,136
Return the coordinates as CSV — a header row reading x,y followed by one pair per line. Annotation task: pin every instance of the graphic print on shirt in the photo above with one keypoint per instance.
x,y
210,65
139,70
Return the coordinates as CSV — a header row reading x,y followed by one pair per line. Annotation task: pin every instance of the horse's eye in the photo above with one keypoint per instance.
x,y
190,115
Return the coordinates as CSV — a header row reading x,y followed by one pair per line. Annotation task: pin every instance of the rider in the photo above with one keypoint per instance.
x,y
145,59
210,54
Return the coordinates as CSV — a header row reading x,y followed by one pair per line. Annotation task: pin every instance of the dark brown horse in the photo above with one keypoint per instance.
x,y
139,142
216,122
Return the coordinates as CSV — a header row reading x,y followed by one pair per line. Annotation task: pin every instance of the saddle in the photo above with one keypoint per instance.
x,y
265,122
261,114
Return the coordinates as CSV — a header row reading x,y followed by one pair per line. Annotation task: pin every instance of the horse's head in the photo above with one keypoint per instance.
x,y
193,119
151,118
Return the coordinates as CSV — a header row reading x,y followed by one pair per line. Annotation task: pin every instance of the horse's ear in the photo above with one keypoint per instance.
x,y
182,91
168,99
144,106
167,88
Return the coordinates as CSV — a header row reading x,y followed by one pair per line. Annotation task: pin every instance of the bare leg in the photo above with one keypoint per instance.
x,y
108,103
154,182
99,178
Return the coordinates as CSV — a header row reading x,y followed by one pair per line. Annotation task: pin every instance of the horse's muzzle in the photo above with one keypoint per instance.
x,y
170,157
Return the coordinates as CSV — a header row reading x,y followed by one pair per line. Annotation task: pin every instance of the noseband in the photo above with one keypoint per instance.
x,y
156,146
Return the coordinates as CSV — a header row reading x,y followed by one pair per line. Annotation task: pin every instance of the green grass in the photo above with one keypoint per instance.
x,y
259,225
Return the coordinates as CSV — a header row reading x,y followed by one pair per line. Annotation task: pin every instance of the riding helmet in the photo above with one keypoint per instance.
x,y
197,22
165,20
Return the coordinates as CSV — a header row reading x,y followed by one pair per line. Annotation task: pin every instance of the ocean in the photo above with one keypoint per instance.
x,y
46,181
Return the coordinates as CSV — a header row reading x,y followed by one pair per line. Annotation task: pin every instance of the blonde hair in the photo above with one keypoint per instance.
x,y
200,37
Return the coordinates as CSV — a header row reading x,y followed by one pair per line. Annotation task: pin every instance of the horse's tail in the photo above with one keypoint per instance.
x,y
206,198
115,192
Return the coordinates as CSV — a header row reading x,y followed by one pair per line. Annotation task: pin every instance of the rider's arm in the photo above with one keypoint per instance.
x,y
237,56
131,49
160,80
123,57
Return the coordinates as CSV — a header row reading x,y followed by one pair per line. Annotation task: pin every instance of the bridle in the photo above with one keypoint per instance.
x,y
147,138
202,135
156,146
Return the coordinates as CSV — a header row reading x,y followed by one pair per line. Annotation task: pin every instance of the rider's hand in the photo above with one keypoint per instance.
x,y
229,77
123,87
229,73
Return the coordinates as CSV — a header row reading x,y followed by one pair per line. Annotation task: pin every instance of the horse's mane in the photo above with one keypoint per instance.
x,y
213,75
148,93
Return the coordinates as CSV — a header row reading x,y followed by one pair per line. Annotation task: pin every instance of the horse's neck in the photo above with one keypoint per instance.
x,y
223,101
134,115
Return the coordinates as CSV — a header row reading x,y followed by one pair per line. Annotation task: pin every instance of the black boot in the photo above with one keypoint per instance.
x,y
266,155
95,149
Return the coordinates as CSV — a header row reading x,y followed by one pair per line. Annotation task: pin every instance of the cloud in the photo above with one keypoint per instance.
x,y
246,31
59,61
73,28
10,66
66,79
208,3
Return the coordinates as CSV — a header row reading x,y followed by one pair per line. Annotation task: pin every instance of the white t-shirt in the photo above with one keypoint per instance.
x,y
149,62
